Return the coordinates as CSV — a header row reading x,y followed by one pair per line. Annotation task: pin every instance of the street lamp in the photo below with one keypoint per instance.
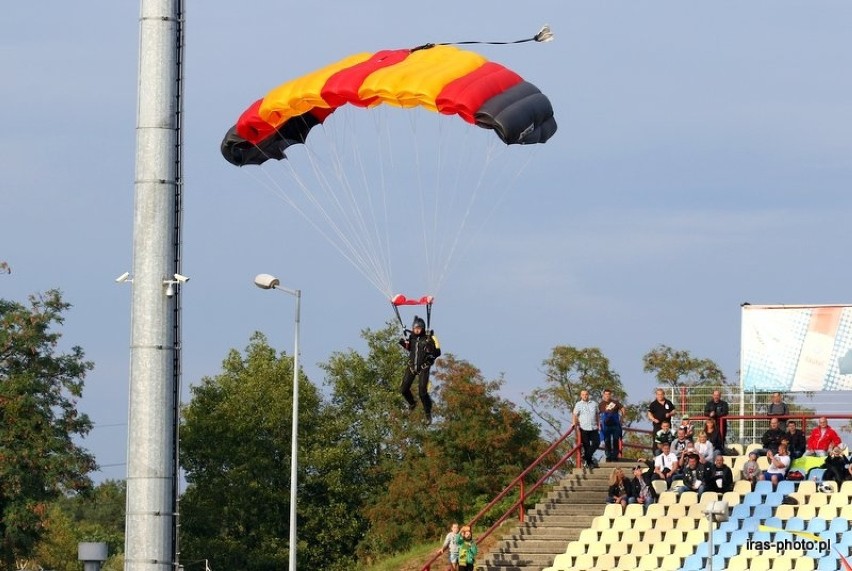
x,y
266,281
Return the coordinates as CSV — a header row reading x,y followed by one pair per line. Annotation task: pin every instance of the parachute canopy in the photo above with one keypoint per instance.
x,y
439,78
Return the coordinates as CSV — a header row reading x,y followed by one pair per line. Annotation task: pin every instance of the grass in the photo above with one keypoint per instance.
x,y
411,560
414,558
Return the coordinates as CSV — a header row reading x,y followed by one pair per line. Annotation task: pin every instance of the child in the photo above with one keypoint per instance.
x,y
751,471
467,549
451,543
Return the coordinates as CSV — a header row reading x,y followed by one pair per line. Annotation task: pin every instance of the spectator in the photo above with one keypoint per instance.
x,y
665,434
611,412
586,417
836,466
720,478
660,409
778,465
451,544
640,490
713,436
796,437
689,450
617,492
704,449
693,476
822,439
778,407
687,427
467,549
680,442
717,409
751,470
772,437
665,464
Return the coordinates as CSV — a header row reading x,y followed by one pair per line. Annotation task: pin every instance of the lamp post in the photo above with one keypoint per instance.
x,y
266,281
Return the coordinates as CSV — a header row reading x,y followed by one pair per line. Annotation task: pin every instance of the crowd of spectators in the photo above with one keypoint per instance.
x,y
689,461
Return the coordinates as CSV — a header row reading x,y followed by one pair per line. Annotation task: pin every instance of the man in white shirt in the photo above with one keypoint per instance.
x,y
778,465
665,463
586,419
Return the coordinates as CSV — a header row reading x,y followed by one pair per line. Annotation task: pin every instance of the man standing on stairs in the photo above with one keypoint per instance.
x,y
586,419
610,413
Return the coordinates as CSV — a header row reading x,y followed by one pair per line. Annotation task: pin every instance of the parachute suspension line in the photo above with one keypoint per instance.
x,y
350,218
342,244
359,213
495,152
543,35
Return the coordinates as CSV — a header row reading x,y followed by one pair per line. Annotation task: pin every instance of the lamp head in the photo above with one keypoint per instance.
x,y
266,281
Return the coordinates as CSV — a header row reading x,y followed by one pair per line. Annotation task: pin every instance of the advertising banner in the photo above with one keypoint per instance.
x,y
796,347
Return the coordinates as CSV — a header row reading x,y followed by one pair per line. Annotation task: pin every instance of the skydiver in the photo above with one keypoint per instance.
x,y
423,349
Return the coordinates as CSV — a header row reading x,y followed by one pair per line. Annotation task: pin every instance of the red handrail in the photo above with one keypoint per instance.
x,y
518,481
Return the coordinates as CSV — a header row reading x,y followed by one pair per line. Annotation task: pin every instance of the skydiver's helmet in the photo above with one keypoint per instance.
x,y
418,322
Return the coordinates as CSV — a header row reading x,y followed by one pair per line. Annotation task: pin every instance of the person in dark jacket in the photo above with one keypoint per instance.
x,y
423,349
796,437
639,488
719,478
836,466
717,409
772,437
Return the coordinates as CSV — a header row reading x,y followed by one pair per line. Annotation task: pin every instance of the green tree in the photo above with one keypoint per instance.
x,y
39,420
569,370
478,443
679,368
95,515
236,452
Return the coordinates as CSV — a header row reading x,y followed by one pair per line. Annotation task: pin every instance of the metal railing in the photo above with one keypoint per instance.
x,y
524,492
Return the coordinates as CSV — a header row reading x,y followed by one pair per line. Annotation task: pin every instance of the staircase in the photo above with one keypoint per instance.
x,y
568,508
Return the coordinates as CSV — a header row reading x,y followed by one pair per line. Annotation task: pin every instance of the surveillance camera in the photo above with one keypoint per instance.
x,y
170,291
181,279
122,278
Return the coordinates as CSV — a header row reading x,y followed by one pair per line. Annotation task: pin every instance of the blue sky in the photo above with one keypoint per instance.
x,y
703,159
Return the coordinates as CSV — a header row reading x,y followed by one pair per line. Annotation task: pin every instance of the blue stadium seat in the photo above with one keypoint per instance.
x,y
762,512
761,536
763,487
739,537
839,525
753,499
750,524
774,499
728,550
783,536
817,525
786,487
732,524
773,522
816,474
693,563
795,524
828,563
741,511
720,536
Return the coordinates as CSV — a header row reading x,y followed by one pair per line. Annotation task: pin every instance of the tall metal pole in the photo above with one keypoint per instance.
x,y
154,337
266,281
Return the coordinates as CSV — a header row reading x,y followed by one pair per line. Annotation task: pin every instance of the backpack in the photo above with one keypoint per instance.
x,y
795,476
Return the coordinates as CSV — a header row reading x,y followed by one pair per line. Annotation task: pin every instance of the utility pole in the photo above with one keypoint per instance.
x,y
152,483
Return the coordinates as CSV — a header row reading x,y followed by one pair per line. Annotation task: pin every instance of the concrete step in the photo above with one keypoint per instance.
x,y
568,508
